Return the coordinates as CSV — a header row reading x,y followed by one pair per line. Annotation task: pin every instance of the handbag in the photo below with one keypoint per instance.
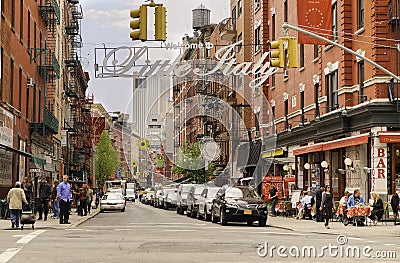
x,y
93,204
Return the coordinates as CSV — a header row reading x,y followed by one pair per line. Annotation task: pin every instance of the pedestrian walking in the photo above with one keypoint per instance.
x,y
83,198
273,197
27,187
44,196
15,198
64,197
54,200
328,204
89,199
318,200
395,202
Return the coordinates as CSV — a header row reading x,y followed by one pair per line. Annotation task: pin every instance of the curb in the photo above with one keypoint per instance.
x,y
83,220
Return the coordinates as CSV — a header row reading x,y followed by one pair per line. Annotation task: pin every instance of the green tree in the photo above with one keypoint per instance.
x,y
192,165
107,160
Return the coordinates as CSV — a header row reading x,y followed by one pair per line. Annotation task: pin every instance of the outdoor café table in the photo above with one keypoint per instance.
x,y
358,211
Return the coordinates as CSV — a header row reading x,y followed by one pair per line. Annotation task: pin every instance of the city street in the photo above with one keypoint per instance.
x,y
147,234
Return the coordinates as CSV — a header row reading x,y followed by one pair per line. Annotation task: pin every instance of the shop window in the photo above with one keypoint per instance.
x,y
331,82
360,13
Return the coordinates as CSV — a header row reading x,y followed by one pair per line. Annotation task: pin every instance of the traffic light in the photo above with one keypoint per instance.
x,y
160,23
276,53
292,52
139,24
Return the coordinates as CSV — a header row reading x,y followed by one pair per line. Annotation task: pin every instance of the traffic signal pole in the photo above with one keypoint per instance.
x,y
288,26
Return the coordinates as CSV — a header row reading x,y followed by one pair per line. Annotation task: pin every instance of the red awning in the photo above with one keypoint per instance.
x,y
389,137
335,144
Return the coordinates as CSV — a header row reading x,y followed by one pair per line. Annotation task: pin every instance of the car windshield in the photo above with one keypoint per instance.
x,y
186,188
212,192
240,193
130,192
112,197
198,190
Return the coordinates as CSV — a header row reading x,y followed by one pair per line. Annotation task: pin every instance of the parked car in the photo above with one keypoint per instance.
x,y
181,202
170,198
239,204
158,196
205,202
130,195
192,199
148,198
112,201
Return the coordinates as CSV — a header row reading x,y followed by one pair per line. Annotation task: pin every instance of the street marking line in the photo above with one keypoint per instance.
x,y
17,235
8,254
28,238
389,244
180,230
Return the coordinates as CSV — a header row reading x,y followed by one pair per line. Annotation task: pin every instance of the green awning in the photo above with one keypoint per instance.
x,y
37,160
7,148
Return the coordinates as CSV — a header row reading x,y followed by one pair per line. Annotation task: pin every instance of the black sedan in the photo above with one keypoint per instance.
x,y
239,204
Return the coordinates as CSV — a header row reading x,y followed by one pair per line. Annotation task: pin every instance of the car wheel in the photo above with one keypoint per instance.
x,y
213,218
222,218
207,217
177,210
198,216
262,223
101,211
193,213
123,209
188,214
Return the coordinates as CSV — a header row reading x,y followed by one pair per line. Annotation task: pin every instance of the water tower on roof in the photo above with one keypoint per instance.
x,y
201,17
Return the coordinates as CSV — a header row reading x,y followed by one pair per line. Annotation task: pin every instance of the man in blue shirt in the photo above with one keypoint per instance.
x,y
355,199
65,196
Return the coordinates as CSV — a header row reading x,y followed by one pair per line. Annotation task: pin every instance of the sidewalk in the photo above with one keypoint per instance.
x,y
336,228
53,223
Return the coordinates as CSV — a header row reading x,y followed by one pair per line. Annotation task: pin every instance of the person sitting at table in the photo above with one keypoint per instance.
x,y
343,207
299,206
307,202
355,200
377,208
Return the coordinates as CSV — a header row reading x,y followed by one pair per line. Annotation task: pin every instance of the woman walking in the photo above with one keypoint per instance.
x,y
328,204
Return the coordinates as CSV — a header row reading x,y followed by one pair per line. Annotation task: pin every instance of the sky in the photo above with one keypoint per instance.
x,y
106,23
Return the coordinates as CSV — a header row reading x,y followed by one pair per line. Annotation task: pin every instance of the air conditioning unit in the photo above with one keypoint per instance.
x,y
31,82
256,134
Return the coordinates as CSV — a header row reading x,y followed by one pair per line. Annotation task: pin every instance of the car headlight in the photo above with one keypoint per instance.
x,y
231,206
262,206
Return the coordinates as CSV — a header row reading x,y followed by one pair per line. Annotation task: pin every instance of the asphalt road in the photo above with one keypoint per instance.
x,y
147,234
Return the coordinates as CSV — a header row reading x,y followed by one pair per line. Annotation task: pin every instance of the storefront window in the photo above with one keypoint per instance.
x,y
397,165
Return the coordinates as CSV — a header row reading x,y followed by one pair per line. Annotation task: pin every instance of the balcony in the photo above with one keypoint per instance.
x,y
72,28
48,126
50,12
47,62
227,29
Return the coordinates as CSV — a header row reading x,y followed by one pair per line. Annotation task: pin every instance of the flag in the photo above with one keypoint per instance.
x,y
314,16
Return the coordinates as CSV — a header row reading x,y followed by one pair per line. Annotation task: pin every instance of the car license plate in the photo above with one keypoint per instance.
x,y
247,212
112,206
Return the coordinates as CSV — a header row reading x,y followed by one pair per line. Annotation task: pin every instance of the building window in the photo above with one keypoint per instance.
x,y
11,81
21,20
257,4
334,22
361,78
302,105
234,18
12,13
240,38
257,33
286,114
316,90
273,27
34,35
315,51
20,89
360,11
29,29
34,104
257,121
301,55
27,104
1,73
240,9
332,90
40,106
285,11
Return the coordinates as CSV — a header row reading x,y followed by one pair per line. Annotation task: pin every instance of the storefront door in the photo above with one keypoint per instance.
x,y
396,166
338,180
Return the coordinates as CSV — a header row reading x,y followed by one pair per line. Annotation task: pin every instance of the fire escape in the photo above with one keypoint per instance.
x,y
75,85
49,69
